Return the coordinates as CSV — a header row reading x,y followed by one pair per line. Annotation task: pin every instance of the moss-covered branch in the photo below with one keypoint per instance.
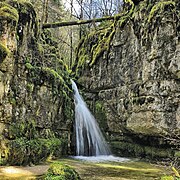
x,y
72,23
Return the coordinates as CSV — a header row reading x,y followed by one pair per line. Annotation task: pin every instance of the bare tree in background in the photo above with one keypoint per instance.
x,y
98,8
71,38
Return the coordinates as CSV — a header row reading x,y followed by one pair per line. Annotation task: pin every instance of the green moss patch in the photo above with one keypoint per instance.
x,y
4,51
136,150
92,47
26,146
23,151
60,171
144,18
8,12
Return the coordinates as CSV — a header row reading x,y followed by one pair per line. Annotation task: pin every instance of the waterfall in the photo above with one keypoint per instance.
x,y
89,139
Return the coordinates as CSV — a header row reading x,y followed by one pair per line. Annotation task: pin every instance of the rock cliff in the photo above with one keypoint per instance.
x,y
129,70
34,119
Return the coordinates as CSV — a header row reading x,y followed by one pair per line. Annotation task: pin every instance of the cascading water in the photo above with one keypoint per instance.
x,y
89,139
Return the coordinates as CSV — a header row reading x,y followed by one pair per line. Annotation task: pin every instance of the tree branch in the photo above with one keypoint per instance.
x,y
73,23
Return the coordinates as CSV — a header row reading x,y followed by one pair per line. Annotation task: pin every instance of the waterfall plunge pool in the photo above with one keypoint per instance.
x,y
101,158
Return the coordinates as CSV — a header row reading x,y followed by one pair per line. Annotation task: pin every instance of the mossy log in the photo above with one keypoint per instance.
x,y
72,23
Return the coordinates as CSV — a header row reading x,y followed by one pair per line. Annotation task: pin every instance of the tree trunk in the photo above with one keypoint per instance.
x,y
73,23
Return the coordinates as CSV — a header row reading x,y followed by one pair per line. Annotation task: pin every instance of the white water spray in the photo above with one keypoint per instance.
x,y
89,139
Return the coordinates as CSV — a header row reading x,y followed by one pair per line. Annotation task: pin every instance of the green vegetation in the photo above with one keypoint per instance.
x,y
94,45
127,149
167,178
175,176
38,74
23,6
60,171
97,44
26,146
8,12
23,151
160,8
23,128
4,51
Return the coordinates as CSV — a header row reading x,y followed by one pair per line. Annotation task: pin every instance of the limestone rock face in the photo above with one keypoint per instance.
x,y
138,84
31,90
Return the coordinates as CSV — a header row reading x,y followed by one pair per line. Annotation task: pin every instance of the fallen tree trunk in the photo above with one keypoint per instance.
x,y
73,23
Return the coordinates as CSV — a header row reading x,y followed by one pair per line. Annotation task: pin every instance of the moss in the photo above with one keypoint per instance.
x,y
177,154
4,51
23,129
152,152
26,146
57,79
94,46
52,74
103,44
29,66
4,150
175,172
137,150
100,115
30,87
167,178
8,12
132,6
23,6
60,171
159,7
12,101
24,151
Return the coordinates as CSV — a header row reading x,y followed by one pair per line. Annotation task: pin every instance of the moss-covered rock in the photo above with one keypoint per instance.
x,y
24,145
23,151
98,43
137,79
61,171
137,150
35,94
100,115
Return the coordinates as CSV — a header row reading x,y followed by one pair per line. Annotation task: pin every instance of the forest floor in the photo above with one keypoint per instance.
x,y
129,170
